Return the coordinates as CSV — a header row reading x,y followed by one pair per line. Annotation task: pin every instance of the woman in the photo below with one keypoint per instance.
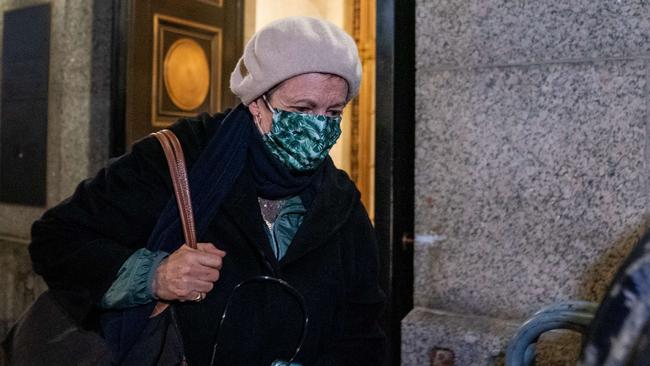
x,y
268,201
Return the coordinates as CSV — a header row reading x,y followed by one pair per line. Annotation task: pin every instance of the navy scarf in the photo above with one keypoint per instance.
x,y
235,145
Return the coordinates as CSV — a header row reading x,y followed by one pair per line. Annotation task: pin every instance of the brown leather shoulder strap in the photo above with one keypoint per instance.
x,y
178,171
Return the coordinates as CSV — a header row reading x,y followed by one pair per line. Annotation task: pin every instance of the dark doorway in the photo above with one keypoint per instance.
x,y
395,154
172,58
132,88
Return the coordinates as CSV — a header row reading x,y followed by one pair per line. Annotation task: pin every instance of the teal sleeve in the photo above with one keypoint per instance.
x,y
284,363
132,286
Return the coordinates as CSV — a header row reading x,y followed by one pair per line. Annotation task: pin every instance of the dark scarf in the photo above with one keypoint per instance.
x,y
236,144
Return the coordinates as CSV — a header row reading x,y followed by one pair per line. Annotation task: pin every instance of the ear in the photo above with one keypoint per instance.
x,y
255,107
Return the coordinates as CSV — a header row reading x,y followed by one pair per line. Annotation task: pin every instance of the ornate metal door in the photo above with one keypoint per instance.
x,y
179,54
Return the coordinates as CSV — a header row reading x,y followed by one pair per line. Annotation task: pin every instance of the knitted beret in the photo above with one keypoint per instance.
x,y
292,46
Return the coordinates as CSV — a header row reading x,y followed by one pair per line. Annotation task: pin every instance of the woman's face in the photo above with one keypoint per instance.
x,y
312,93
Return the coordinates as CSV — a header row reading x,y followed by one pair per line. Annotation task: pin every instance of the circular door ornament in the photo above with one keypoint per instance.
x,y
186,74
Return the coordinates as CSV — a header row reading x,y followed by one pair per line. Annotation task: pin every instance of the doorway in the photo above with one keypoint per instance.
x,y
355,150
384,110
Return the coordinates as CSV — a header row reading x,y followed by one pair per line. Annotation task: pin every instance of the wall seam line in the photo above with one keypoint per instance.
x,y
528,64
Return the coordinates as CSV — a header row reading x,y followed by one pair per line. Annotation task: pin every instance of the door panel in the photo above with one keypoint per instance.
x,y
179,57
394,159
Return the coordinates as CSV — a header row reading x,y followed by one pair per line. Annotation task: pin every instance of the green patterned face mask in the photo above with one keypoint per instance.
x,y
300,140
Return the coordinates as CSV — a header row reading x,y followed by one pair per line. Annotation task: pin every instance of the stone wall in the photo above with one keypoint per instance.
x,y
19,284
78,132
531,164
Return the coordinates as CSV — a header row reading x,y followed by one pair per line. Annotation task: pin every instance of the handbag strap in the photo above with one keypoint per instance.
x,y
178,171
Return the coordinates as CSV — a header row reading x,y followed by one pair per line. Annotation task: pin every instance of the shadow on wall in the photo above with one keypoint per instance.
x,y
596,279
563,346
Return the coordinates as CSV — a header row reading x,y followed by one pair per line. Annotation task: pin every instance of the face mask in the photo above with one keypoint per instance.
x,y
299,140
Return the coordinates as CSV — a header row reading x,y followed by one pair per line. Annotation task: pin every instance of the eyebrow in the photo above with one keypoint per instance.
x,y
309,102
312,104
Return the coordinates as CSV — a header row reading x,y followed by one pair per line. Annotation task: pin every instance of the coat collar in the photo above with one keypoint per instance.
x,y
330,209
242,207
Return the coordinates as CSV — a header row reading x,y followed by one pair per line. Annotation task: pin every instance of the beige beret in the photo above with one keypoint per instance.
x,y
292,46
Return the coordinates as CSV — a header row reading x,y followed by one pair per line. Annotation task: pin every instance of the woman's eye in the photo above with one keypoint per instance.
x,y
301,109
335,113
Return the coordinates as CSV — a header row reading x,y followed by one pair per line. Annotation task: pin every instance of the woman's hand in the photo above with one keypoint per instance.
x,y
188,273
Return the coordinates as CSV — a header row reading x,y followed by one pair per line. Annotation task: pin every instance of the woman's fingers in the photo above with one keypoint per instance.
x,y
209,255
209,247
208,274
206,255
186,289
198,287
209,260
187,272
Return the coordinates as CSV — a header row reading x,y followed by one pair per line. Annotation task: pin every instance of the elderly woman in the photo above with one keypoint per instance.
x,y
268,202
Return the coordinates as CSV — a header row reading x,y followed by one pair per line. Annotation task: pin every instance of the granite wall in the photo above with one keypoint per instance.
x,y
78,132
531,165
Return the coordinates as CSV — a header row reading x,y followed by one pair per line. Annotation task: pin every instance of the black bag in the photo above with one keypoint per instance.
x,y
46,335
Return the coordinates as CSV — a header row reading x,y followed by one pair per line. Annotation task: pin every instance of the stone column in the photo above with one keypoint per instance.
x,y
531,164
78,132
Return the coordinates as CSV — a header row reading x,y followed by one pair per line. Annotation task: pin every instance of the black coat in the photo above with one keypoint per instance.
x,y
79,245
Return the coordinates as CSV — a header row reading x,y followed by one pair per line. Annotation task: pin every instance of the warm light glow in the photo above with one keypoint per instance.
x,y
266,11
186,74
